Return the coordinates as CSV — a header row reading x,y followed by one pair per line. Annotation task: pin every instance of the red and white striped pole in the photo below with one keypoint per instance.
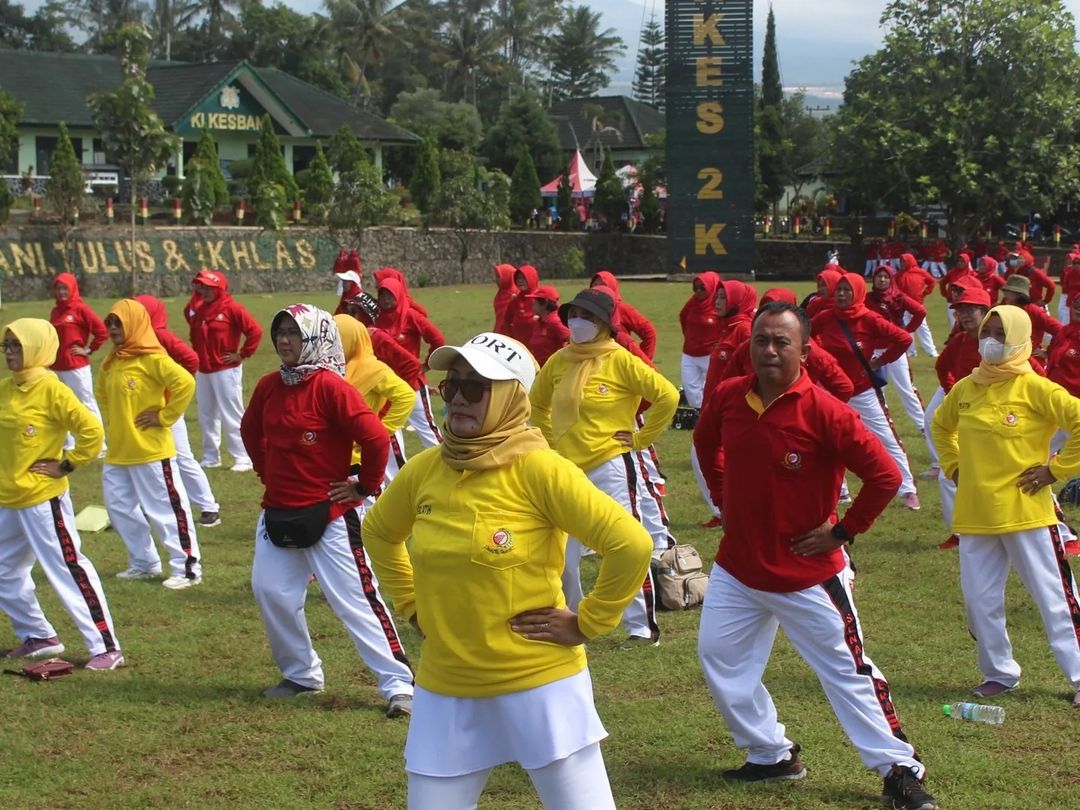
x,y
177,210
240,212
109,213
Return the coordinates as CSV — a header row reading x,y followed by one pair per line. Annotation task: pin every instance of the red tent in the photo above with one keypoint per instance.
x,y
582,181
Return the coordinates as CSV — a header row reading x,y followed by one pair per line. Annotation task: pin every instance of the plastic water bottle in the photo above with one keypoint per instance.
x,y
994,715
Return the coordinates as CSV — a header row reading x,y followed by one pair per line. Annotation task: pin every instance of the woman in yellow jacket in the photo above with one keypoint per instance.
x,y
142,391
37,522
390,397
585,401
993,434
502,675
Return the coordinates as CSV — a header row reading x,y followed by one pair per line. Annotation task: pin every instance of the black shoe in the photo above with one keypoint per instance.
x,y
786,770
904,791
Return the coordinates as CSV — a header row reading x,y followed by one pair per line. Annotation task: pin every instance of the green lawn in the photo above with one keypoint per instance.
x,y
183,724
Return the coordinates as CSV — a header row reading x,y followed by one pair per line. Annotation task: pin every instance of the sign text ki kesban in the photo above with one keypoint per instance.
x,y
710,135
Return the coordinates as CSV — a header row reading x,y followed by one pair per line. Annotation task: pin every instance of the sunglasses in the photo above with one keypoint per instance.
x,y
472,390
11,346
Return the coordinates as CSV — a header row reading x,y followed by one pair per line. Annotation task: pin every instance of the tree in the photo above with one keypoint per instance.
x,y
167,18
268,166
426,179
453,126
64,188
769,142
564,205
359,35
360,201
471,199
42,32
522,123
582,56
807,137
10,113
970,104
198,193
206,150
651,75
344,150
610,197
320,187
99,20
524,189
525,26
471,49
133,134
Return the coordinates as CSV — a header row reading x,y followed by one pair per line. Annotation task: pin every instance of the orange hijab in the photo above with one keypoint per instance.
x,y
139,337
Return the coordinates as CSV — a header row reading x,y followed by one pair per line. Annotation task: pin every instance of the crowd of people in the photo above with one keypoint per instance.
x,y
547,453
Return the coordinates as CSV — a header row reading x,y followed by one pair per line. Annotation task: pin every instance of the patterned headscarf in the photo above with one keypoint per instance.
x,y
320,343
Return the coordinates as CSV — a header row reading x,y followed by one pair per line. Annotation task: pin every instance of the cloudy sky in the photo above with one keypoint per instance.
x,y
817,39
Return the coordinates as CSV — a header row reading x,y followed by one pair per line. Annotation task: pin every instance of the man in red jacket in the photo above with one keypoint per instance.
x,y
216,329
788,444
916,283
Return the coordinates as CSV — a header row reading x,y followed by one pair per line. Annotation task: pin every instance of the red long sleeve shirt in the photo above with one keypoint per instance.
x,y
872,334
216,331
548,336
631,319
915,282
404,364
958,358
1063,359
784,466
179,351
1042,324
301,437
411,330
1070,283
76,325
1042,286
893,308
819,364
992,283
731,338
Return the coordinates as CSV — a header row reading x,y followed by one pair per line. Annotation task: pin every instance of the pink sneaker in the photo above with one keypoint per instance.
x,y
37,648
105,661
991,689
911,501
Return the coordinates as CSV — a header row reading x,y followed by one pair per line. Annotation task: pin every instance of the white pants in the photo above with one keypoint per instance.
x,y
692,373
422,419
81,382
703,485
139,497
936,269
928,420
192,474
1038,555
578,782
874,412
279,580
738,627
221,406
618,478
870,266
651,503
46,533
922,334
898,373
1063,312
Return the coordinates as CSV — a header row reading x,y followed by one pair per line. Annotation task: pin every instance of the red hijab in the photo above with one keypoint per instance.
x,y
779,294
393,320
73,299
988,267
607,279
384,273
890,292
858,297
742,300
710,279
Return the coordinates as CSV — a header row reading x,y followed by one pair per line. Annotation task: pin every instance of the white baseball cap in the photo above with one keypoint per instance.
x,y
493,356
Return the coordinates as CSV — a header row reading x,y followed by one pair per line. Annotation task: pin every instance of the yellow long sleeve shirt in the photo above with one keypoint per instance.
x,y
132,385
487,545
991,434
402,399
33,426
609,404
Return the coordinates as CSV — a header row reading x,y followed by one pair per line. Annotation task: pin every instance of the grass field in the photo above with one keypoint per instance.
x,y
183,724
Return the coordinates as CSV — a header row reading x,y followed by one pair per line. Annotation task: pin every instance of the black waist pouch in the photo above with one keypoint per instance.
x,y
297,528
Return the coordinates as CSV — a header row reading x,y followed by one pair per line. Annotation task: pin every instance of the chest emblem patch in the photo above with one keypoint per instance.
x,y
29,431
792,461
603,389
309,437
1011,419
130,383
501,542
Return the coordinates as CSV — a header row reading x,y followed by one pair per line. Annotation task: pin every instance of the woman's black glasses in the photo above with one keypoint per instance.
x,y
472,390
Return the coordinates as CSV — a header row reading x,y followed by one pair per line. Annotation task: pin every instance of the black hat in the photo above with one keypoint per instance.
x,y
367,303
595,301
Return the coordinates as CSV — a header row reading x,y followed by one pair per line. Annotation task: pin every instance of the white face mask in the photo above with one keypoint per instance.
x,y
1014,262
582,330
993,351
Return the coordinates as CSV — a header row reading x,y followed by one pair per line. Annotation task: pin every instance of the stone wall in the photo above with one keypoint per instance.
x,y
165,258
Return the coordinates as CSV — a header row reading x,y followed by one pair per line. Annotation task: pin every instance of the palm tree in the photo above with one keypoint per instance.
x,y
525,27
359,32
582,57
471,48
168,18
99,18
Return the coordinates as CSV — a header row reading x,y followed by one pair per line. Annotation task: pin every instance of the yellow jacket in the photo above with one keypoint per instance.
x,y
401,397
33,426
609,404
487,545
992,433
129,386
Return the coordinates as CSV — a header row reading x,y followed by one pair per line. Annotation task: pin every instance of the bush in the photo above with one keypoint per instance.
x,y
172,184
241,169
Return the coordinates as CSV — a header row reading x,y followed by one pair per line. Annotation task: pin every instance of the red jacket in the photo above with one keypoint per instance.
x,y
784,467
893,304
989,278
1042,324
726,348
819,364
1042,286
519,320
405,324
1070,283
698,319
1063,359
216,329
953,277
301,437
912,280
958,358
548,336
628,318
871,333
76,325
404,364
504,278
179,351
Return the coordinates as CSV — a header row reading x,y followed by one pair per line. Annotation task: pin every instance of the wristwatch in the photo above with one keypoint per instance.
x,y
840,533
67,467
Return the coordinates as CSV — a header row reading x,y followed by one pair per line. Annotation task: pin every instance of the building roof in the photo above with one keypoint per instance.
x,y
573,118
54,86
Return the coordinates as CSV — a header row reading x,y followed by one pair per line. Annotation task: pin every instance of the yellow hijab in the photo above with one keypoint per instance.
x,y
139,336
505,434
1017,325
39,346
363,370
584,359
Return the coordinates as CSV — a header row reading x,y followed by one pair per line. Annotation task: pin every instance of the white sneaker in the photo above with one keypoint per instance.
x,y
210,465
244,466
138,573
179,583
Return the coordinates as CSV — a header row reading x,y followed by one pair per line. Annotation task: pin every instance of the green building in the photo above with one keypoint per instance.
x,y
228,98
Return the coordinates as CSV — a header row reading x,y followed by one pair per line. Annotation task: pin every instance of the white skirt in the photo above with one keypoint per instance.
x,y
453,736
